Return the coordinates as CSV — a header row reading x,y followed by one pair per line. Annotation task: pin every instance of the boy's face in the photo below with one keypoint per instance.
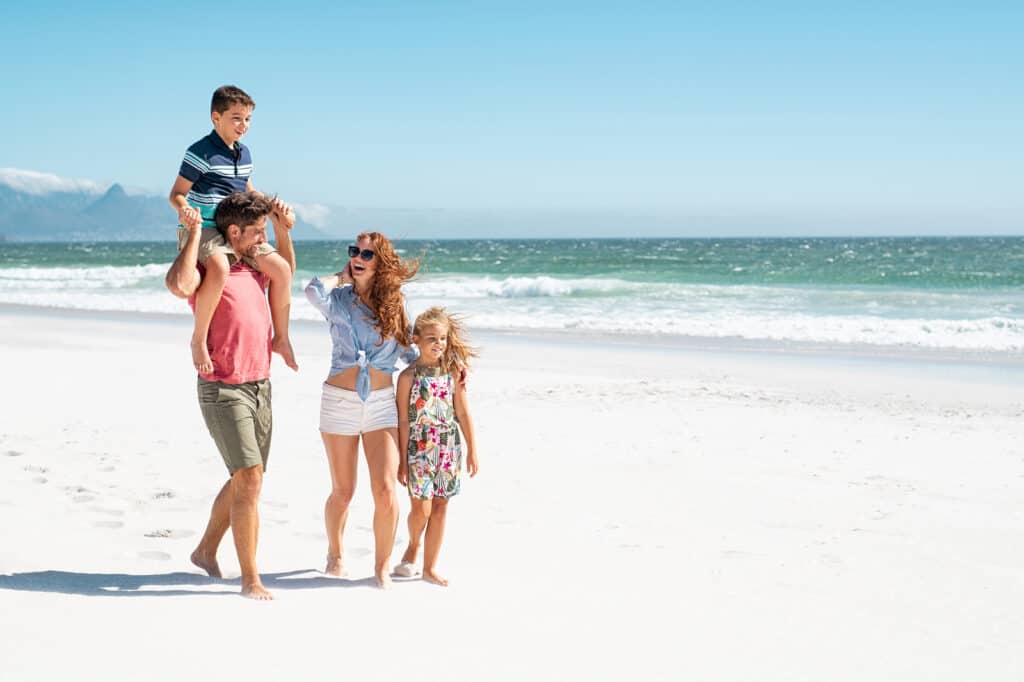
x,y
245,240
233,123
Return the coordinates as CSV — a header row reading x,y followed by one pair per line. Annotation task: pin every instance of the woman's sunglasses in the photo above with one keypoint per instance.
x,y
365,254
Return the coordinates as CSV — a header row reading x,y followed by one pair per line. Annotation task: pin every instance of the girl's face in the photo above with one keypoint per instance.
x,y
432,342
363,270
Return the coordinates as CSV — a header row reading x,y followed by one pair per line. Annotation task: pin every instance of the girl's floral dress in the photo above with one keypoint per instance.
x,y
435,446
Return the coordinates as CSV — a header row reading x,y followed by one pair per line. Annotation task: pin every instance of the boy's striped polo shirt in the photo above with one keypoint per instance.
x,y
215,171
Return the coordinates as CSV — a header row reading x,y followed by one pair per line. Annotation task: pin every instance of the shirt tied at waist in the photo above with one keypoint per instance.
x,y
363,380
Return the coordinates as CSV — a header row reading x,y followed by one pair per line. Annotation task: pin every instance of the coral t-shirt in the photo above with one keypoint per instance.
x,y
240,331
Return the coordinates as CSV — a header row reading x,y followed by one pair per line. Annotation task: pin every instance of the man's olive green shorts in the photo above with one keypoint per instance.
x,y
238,417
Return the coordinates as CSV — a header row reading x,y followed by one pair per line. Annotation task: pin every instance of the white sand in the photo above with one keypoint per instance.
x,y
642,513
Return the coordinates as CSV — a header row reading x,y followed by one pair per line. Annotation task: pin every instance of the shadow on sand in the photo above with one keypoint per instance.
x,y
164,584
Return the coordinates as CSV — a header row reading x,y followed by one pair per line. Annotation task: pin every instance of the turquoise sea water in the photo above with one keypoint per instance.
x,y
963,293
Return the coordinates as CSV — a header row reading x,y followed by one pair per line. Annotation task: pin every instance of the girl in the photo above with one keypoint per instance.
x,y
430,402
370,331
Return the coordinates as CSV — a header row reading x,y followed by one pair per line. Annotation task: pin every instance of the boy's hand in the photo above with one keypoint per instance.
x,y
282,215
403,473
190,218
472,464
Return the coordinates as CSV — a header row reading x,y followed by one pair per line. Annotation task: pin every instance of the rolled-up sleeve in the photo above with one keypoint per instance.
x,y
318,296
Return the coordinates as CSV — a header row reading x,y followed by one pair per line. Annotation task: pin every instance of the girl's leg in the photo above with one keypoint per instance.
x,y
207,298
418,516
381,449
432,543
342,454
280,274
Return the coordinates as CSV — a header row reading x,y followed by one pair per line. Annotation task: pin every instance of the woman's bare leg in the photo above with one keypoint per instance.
x,y
342,456
381,448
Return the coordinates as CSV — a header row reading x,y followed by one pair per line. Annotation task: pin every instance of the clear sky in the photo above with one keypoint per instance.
x,y
866,117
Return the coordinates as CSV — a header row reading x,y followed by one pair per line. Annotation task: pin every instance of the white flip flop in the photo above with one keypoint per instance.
x,y
406,569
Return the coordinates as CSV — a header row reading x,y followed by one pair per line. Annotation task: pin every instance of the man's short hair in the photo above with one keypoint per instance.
x,y
242,209
226,95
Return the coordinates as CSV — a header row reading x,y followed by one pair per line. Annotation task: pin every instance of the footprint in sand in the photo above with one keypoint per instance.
x,y
108,524
158,556
173,533
83,498
14,453
163,495
36,469
39,479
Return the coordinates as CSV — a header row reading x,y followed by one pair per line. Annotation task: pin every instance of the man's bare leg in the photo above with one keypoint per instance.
x,y
432,542
245,527
381,449
418,516
207,298
205,554
280,274
342,456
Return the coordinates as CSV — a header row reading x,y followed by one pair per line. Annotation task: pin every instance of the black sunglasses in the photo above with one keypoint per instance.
x,y
365,254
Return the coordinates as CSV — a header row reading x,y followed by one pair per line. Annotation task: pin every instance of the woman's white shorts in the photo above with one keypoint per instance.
x,y
343,413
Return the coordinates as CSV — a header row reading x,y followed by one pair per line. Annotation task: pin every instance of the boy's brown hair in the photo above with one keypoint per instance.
x,y
226,95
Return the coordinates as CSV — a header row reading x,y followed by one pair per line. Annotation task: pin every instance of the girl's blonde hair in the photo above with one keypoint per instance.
x,y
385,299
458,352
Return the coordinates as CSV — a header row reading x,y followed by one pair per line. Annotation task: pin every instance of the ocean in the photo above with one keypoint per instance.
x,y
938,293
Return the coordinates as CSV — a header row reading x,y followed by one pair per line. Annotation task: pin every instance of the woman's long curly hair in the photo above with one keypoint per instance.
x,y
385,299
458,351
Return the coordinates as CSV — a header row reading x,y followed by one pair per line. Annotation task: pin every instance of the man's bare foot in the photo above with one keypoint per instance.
x,y
207,563
383,580
256,591
201,356
432,577
333,567
283,346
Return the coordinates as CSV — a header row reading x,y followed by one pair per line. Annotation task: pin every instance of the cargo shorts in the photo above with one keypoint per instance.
x,y
239,420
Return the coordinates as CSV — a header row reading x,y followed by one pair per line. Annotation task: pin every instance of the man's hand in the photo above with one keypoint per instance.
x,y
190,218
282,215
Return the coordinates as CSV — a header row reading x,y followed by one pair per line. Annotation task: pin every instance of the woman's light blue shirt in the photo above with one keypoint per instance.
x,y
356,340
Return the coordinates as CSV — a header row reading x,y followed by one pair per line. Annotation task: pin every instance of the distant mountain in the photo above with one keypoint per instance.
x,y
40,207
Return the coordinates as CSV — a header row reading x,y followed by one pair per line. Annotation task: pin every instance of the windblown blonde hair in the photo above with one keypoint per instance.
x,y
385,299
458,352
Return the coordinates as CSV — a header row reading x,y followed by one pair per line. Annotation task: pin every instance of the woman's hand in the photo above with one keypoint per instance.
x,y
403,473
345,276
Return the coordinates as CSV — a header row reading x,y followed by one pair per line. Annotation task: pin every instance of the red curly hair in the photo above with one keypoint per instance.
x,y
385,299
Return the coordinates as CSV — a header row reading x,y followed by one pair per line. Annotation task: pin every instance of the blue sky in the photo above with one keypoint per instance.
x,y
644,117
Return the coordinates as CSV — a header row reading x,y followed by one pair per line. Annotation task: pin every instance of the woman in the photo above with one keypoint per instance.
x,y
370,331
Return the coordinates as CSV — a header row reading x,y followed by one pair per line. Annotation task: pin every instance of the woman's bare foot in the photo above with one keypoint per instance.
x,y
383,580
201,356
207,563
333,567
432,577
256,591
283,347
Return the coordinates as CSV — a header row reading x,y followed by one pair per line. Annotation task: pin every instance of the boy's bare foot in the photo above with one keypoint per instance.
x,y
207,563
333,566
383,580
201,356
432,577
256,591
283,347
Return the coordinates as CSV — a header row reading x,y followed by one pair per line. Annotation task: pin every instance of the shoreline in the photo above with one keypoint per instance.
x,y
854,353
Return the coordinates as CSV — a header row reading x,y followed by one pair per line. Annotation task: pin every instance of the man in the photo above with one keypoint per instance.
x,y
235,396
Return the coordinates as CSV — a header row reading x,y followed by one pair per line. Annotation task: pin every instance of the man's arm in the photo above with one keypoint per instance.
x,y
283,219
183,278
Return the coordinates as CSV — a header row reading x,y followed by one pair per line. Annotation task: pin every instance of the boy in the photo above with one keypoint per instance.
x,y
214,167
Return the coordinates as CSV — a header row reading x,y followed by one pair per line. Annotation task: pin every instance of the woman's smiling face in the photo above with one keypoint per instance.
x,y
363,270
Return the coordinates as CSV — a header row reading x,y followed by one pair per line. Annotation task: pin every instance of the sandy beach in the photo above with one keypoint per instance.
x,y
646,510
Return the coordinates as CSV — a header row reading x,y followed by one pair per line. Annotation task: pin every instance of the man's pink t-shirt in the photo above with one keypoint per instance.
x,y
240,331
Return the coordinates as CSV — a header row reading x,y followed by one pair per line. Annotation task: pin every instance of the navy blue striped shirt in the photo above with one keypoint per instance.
x,y
215,171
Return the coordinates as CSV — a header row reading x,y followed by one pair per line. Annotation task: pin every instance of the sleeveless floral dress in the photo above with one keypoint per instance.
x,y
435,446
